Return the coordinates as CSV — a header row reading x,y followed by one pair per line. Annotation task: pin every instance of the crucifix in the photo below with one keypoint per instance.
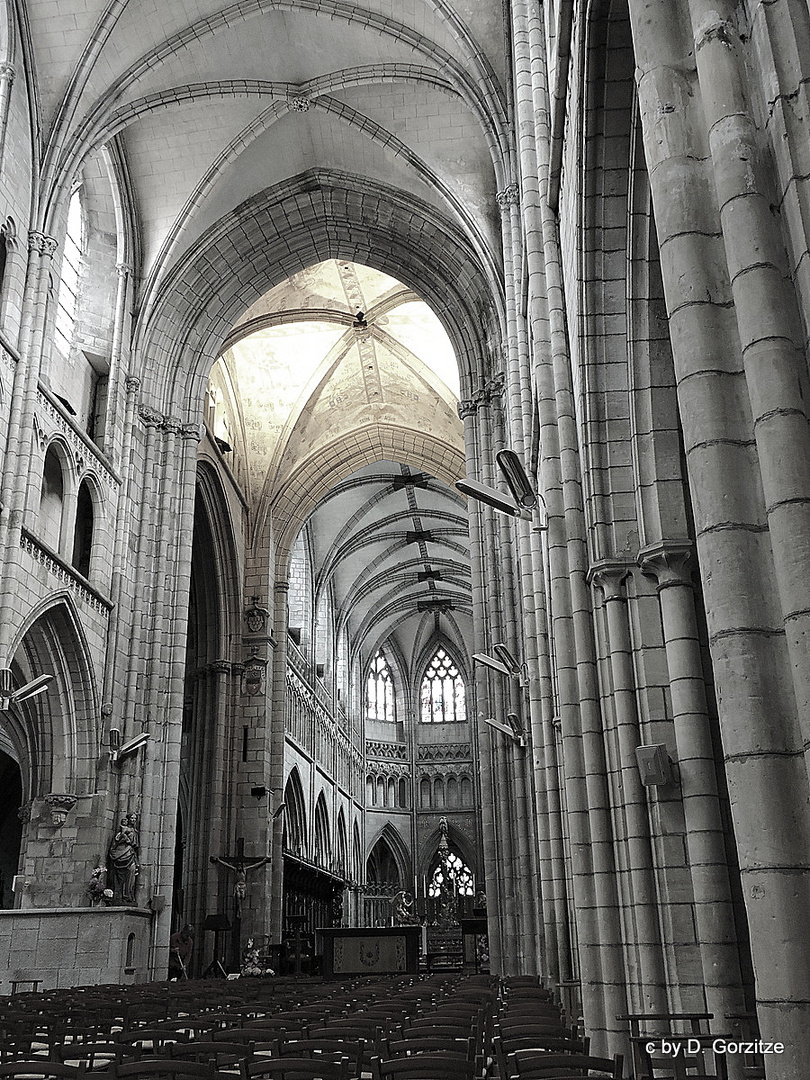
x,y
240,868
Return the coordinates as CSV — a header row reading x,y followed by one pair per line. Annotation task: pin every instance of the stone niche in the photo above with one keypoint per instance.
x,y
57,947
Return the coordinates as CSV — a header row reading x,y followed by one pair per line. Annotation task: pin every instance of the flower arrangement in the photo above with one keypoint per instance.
x,y
97,887
251,962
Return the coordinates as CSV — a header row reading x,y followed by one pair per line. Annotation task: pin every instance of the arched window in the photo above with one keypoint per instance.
x,y
295,821
451,874
3,258
323,846
442,693
299,596
83,532
379,690
70,276
342,860
51,499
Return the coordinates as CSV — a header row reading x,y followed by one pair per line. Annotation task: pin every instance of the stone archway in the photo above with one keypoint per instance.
x,y
10,826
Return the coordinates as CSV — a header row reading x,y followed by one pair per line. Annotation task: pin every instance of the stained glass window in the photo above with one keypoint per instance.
x,y
379,690
452,875
442,695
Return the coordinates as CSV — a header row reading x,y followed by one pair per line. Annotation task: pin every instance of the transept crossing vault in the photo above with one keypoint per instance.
x,y
274,276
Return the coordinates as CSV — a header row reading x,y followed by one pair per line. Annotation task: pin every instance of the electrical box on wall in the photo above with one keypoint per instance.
x,y
654,765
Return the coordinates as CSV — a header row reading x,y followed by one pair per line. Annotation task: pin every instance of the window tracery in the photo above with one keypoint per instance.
x,y
452,874
380,690
442,693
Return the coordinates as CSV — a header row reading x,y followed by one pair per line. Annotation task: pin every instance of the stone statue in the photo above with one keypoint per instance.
x,y
404,908
122,859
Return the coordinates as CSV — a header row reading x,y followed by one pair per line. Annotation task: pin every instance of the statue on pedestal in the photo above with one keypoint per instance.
x,y
122,859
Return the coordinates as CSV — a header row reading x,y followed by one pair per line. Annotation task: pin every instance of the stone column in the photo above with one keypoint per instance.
x,y
468,411
276,722
705,842
157,703
643,940
7,73
41,249
697,136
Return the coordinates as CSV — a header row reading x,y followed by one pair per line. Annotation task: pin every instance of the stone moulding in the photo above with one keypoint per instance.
x,y
31,546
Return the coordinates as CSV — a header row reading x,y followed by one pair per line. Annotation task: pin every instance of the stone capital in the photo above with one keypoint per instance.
x,y
466,407
7,71
132,383
509,196
172,425
42,244
609,577
123,269
151,417
59,806
670,563
191,432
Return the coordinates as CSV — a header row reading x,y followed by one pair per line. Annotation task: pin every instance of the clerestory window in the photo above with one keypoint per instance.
x,y
70,276
442,693
380,690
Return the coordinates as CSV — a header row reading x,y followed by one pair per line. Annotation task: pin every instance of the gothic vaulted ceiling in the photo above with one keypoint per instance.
x,y
210,103
301,376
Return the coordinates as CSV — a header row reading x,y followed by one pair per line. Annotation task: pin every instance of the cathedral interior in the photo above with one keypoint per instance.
x,y
276,276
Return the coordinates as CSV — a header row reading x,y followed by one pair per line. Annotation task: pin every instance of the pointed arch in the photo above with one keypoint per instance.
x,y
56,469
380,689
55,734
295,817
458,843
388,855
342,846
442,690
300,593
357,855
323,837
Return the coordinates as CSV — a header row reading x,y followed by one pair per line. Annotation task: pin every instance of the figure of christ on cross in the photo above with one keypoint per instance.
x,y
240,868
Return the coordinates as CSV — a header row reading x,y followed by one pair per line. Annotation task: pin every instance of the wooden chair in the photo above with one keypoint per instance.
x,y
428,1066
355,1051
95,1055
295,1068
392,1048
548,1044
217,1052
39,1067
161,1068
539,1065
152,1039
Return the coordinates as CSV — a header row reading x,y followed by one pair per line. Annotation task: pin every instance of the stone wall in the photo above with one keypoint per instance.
x,y
46,944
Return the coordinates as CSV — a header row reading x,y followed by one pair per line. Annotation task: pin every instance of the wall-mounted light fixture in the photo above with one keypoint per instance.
x,y
508,658
491,662
491,496
512,468
131,746
512,728
8,695
524,498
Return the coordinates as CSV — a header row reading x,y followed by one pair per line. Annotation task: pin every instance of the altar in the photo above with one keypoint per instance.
x,y
370,950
